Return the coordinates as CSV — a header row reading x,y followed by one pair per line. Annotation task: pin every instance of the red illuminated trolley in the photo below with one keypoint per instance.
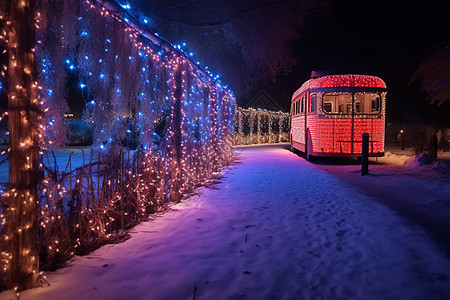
x,y
329,114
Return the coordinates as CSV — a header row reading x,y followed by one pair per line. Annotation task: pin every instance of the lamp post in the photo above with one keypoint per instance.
x,y
402,144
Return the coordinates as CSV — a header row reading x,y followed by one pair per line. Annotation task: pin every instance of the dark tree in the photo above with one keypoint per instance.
x,y
244,41
433,76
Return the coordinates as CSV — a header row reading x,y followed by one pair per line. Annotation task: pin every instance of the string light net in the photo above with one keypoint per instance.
x,y
178,117
257,126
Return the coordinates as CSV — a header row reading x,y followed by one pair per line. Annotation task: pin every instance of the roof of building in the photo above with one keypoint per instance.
x,y
263,100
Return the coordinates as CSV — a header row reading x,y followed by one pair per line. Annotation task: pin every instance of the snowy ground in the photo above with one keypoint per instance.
x,y
62,157
418,193
277,227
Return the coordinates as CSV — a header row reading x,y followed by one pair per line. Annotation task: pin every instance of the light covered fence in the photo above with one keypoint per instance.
x,y
136,87
256,126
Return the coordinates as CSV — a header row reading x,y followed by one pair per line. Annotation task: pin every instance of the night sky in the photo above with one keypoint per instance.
x,y
382,38
388,39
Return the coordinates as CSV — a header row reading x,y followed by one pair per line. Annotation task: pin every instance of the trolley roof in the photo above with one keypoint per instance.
x,y
341,81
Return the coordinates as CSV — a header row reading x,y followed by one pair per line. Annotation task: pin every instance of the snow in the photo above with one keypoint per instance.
x,y
61,155
278,227
394,159
420,193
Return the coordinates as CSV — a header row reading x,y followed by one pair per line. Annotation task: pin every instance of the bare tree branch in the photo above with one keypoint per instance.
x,y
433,76
251,38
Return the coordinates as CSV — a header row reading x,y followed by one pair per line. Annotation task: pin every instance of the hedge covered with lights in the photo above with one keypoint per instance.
x,y
257,126
136,85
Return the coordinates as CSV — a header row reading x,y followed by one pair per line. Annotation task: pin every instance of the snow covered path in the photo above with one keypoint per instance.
x,y
277,227
419,193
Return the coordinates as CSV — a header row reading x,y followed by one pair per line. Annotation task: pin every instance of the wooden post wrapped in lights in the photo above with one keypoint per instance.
x,y
20,201
176,129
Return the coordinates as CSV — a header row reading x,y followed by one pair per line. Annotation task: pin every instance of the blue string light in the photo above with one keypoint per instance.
x,y
126,6
199,128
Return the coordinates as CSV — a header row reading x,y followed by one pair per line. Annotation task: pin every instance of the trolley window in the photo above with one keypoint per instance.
x,y
313,103
337,103
367,103
341,103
